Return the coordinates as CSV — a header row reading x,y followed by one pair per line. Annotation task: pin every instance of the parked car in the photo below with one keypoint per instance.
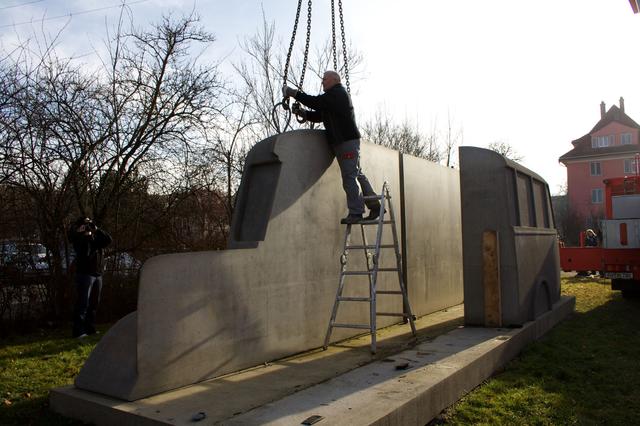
x,y
23,256
122,263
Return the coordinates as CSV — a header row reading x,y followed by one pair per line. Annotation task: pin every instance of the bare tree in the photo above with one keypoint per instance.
x,y
261,78
156,101
453,138
322,60
505,149
404,137
262,75
81,142
223,156
47,107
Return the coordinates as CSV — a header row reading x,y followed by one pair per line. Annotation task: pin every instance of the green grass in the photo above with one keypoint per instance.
x,y
30,366
585,371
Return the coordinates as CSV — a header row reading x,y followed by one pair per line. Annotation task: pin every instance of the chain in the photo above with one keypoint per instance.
x,y
285,102
344,47
275,119
293,39
306,45
333,36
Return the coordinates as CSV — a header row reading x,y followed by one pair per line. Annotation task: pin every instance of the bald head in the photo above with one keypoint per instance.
x,y
330,79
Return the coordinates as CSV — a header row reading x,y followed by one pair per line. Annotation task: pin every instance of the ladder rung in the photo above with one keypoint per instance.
x,y
354,299
372,252
363,327
374,222
369,246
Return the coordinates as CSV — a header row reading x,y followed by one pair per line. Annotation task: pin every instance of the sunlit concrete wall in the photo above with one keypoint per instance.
x,y
433,235
502,196
205,314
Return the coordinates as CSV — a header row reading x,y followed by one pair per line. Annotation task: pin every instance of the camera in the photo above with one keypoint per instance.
x,y
88,227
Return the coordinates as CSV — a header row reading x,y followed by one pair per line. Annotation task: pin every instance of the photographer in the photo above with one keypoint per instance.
x,y
88,243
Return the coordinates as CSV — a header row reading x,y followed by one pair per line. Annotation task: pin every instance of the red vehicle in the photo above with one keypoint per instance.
x,y
618,256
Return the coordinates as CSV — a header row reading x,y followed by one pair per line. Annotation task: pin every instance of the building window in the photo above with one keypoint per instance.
x,y
596,196
595,168
625,139
601,141
629,166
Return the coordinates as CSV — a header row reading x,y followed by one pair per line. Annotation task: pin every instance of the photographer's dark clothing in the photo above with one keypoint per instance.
x,y
89,264
89,252
88,289
334,109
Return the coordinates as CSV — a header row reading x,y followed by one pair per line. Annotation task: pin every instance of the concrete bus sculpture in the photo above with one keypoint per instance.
x,y
501,197
205,314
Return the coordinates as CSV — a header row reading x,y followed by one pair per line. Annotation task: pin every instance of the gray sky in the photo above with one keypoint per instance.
x,y
531,74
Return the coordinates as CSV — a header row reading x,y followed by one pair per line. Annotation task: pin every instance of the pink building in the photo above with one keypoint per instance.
x,y
609,150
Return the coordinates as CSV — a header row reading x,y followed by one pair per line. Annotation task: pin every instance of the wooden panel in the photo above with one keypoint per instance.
x,y
491,279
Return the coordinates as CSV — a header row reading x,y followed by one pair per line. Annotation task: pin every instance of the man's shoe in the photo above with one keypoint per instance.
x,y
351,219
373,213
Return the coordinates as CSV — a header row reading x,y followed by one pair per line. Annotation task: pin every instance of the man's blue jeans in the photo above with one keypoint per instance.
x,y
88,289
348,155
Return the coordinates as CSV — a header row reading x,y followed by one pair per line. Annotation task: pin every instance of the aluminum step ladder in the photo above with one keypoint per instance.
x,y
372,255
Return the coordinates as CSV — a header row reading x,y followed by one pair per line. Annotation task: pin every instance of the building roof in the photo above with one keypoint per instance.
x,y
584,150
582,146
614,114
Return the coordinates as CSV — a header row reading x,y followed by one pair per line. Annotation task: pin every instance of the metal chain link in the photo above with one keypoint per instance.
x,y
333,36
344,48
306,45
285,102
293,39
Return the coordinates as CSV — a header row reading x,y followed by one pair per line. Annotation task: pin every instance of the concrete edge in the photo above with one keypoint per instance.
x,y
429,391
441,372
92,407
93,410
427,405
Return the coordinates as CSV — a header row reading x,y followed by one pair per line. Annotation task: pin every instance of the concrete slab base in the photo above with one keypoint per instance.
x,y
407,382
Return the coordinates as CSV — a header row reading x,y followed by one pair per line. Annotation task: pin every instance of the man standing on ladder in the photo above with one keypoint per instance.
x,y
334,109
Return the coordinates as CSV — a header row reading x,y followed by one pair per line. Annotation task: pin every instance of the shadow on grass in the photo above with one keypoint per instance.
x,y
35,412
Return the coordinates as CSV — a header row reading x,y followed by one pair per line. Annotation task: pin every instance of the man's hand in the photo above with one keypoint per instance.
x,y
289,92
300,112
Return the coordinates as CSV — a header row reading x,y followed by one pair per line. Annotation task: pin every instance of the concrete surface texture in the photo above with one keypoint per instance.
x,y
402,385
500,195
433,242
205,314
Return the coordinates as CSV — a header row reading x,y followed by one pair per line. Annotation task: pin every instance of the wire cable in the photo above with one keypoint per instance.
x,y
21,4
72,14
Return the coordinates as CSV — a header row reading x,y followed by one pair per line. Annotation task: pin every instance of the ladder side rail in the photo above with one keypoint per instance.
x,y
366,252
403,287
343,268
372,325
374,275
373,267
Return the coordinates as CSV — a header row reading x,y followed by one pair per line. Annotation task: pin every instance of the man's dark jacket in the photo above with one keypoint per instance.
x,y
335,110
89,252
